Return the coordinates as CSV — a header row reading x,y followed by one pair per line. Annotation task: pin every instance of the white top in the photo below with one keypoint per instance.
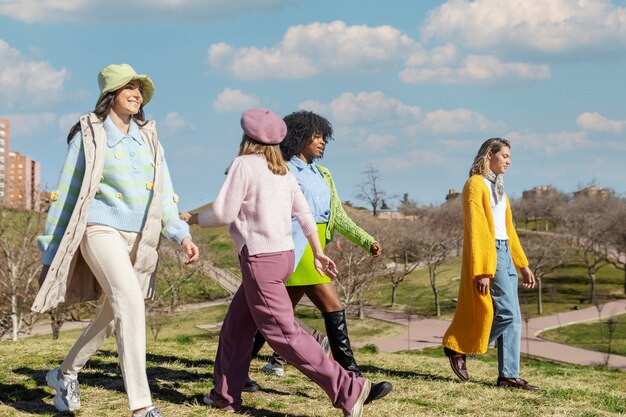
x,y
498,209
258,205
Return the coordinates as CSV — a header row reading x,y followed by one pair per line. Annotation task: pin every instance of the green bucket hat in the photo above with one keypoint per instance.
x,y
115,76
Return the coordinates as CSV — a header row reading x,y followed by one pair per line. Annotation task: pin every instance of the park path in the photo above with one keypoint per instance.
x,y
422,332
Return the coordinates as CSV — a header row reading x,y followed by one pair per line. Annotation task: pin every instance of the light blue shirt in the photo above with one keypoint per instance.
x,y
124,193
317,195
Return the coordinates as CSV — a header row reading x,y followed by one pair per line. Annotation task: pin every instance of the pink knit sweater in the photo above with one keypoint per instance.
x,y
258,205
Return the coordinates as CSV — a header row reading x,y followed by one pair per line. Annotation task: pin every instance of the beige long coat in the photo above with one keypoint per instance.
x,y
69,279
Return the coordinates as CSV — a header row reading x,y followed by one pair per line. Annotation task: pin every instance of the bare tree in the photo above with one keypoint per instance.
x,y
408,207
541,203
19,268
356,267
401,248
174,273
545,253
585,220
616,236
369,189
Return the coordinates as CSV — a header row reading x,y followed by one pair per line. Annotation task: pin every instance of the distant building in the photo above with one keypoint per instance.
x,y
593,191
19,175
540,191
452,194
21,182
5,137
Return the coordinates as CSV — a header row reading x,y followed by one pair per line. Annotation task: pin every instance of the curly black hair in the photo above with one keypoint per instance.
x,y
301,126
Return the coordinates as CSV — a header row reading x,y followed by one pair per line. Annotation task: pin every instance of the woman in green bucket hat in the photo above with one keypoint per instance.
x,y
114,200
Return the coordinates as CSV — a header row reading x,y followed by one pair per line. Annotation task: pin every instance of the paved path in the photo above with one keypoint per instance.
x,y
422,332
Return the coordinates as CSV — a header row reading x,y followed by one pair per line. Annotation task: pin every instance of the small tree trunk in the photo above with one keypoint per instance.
x,y
592,295
539,296
14,321
394,288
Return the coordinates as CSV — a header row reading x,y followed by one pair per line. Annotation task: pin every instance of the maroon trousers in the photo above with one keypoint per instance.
x,y
262,302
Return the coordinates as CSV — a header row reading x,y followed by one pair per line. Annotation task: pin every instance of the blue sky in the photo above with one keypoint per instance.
x,y
412,87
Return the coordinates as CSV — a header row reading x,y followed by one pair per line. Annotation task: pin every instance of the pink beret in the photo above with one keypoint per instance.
x,y
263,125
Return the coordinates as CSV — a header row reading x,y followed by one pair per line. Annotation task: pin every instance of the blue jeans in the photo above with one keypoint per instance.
x,y
507,320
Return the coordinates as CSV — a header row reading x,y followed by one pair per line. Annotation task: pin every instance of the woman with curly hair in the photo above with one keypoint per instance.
x,y
307,136
258,198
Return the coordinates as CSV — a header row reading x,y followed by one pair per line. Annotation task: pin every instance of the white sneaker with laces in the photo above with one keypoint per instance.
x,y
150,412
67,397
273,368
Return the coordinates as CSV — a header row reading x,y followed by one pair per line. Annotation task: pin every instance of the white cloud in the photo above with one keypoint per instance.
x,y
21,79
470,69
307,50
547,26
366,106
549,143
67,121
93,10
234,101
597,122
457,121
412,159
23,124
375,142
175,122
376,108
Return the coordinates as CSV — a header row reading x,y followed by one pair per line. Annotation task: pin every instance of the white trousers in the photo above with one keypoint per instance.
x,y
110,253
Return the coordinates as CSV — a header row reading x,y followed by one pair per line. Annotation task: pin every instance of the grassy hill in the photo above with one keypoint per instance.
x,y
180,366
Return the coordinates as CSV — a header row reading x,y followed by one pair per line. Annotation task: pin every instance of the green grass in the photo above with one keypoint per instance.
x,y
536,224
593,335
216,244
199,288
415,295
180,367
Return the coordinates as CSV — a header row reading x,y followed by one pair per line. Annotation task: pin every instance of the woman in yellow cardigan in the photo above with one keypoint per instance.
x,y
488,307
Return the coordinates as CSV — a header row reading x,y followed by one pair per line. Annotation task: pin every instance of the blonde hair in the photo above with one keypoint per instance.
x,y
272,154
481,162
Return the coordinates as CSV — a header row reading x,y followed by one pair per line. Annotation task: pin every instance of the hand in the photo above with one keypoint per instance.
x,y
191,250
43,274
482,284
188,217
376,250
325,265
528,278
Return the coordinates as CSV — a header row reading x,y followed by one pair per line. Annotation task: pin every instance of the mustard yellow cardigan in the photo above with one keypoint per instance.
x,y
469,331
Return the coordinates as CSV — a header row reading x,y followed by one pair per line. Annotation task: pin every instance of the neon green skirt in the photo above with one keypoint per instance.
x,y
305,273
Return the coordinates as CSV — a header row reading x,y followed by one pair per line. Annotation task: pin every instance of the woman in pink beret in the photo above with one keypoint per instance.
x,y
257,199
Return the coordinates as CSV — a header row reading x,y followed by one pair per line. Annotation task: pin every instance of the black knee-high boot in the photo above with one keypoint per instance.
x,y
337,332
259,341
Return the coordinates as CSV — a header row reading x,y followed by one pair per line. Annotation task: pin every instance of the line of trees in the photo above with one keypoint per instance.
x,y
586,228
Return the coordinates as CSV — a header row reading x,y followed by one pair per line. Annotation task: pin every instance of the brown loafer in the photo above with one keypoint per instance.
x,y
458,363
518,383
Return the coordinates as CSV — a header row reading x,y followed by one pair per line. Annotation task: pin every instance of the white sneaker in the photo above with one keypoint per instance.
x,y
325,343
150,412
67,397
357,409
273,368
